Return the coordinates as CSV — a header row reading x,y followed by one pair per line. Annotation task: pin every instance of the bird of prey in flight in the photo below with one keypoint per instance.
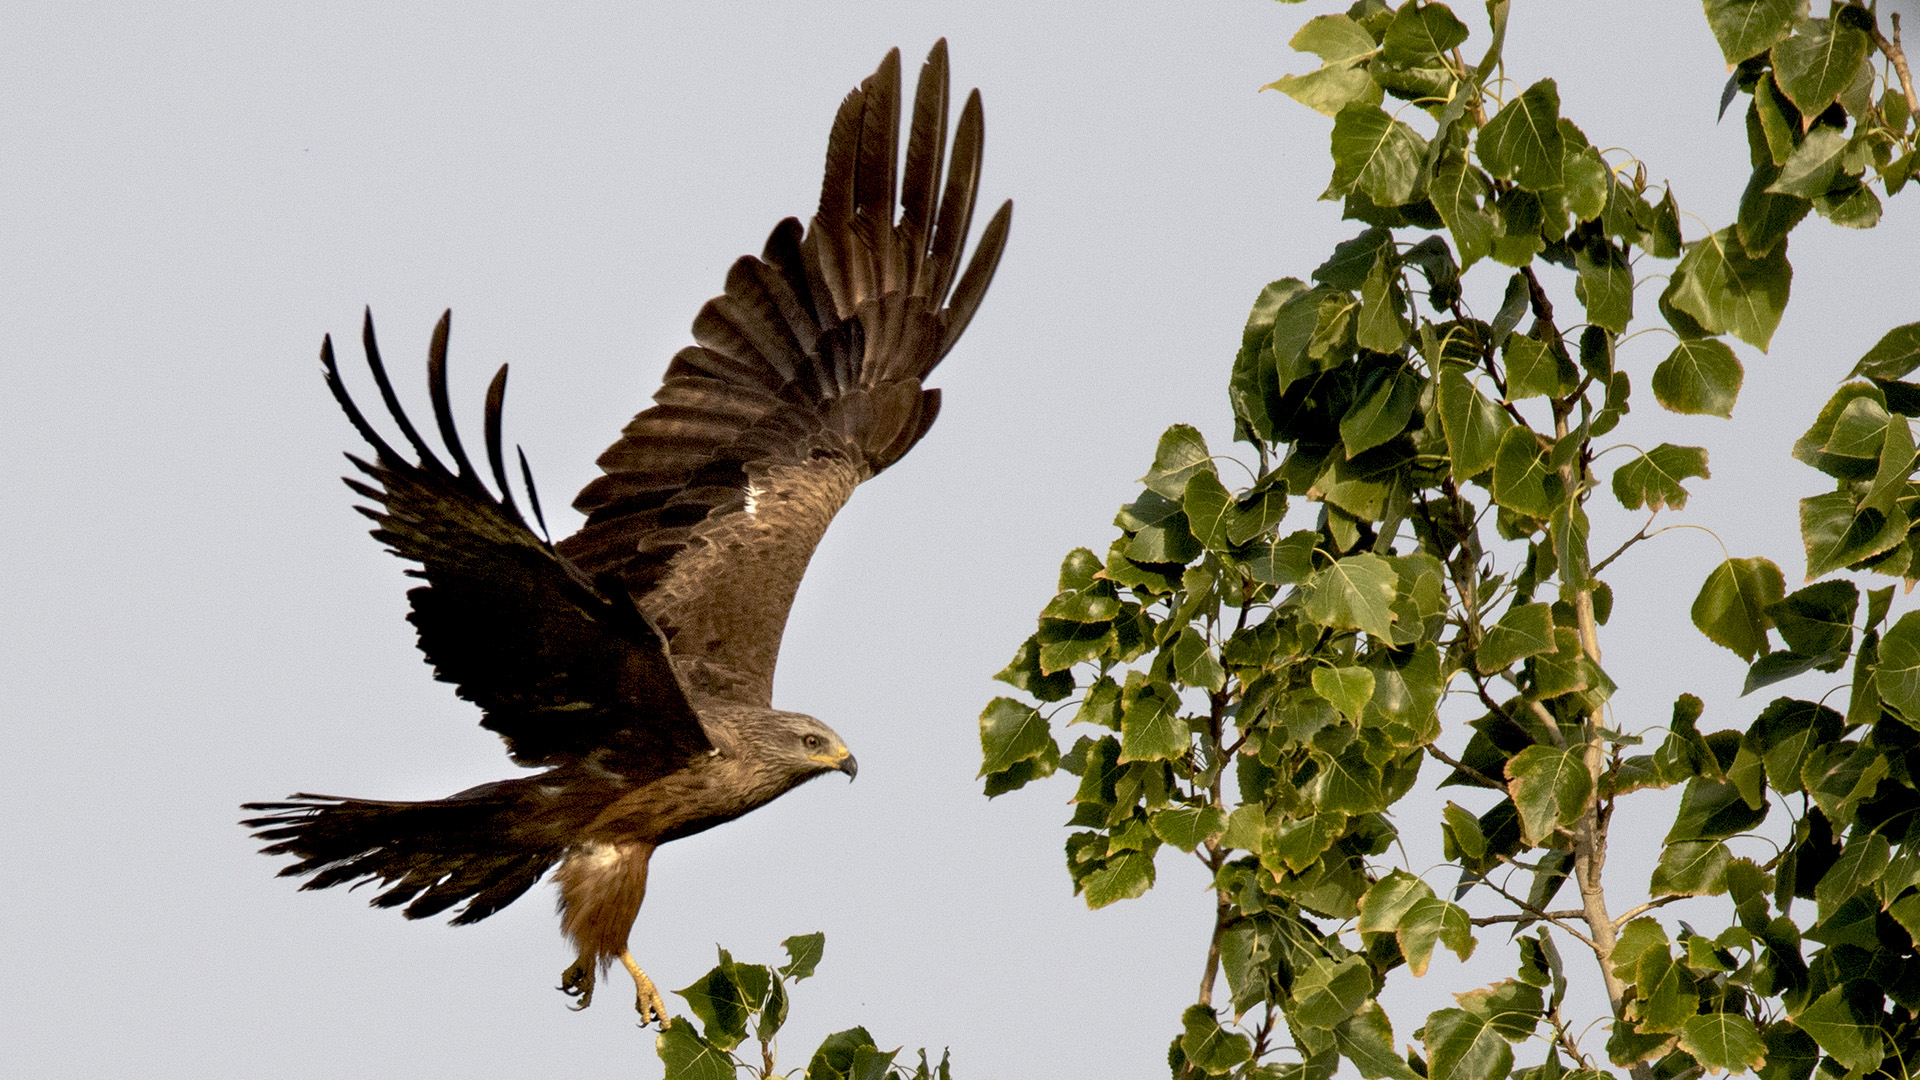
x,y
632,663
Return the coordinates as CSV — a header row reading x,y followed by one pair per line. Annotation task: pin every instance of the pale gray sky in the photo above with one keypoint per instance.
x,y
191,195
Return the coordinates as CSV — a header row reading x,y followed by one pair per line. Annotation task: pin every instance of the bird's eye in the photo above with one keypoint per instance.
x,y
811,742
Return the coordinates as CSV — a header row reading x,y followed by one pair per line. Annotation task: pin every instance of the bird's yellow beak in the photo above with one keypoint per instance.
x,y
839,759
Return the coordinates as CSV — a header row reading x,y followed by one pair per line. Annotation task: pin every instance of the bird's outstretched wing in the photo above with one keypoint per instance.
x,y
805,380
564,670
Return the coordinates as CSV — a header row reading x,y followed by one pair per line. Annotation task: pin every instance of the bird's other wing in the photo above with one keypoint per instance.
x,y
803,382
566,672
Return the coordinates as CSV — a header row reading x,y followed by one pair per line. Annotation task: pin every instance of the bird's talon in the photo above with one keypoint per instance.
x,y
577,982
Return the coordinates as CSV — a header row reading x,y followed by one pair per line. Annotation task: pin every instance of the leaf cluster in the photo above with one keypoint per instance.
x,y
1260,668
735,1000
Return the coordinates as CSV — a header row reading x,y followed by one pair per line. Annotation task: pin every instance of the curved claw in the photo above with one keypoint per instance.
x,y
577,982
647,1001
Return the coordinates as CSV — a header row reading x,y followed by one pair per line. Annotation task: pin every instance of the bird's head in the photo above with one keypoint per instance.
x,y
809,748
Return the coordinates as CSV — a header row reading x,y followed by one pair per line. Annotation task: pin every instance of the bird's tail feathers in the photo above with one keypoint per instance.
x,y
427,856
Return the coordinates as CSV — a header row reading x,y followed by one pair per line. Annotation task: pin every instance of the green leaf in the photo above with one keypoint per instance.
x,y
1700,377
1818,619
1782,735
1459,192
1461,834
1525,630
1125,876
1347,783
1209,509
1662,225
724,1000
1096,604
1512,1006
1767,216
1342,78
1860,864
1382,326
1605,285
1810,447
1845,1027
1653,480
1550,789
1187,827
1791,1055
1010,732
690,1057
1329,991
1723,1040
803,955
1366,1039
1181,453
1287,561
1810,172
1522,480
1382,407
1352,260
1354,593
1388,900
1299,843
1821,58
1473,424
1860,430
1421,32
1023,673
1567,670
1462,1046
1210,1047
1667,993
1432,920
1747,28
841,1056
1151,728
1523,142
1078,570
1376,154
1898,675
1347,688
1728,292
1837,534
1893,356
1732,606
1692,868
1711,809
1194,663
1839,775
1532,369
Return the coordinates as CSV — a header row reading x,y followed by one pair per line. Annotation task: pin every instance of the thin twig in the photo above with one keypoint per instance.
x,y
1543,916
1489,920
1476,775
1631,914
1622,549
1892,51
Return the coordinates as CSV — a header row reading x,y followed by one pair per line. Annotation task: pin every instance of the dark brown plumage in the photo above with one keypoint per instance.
x,y
633,662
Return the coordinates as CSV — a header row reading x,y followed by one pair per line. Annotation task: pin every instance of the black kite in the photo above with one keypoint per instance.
x,y
633,662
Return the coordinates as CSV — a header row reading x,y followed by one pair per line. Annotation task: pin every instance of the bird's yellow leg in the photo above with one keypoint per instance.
x,y
648,1002
577,981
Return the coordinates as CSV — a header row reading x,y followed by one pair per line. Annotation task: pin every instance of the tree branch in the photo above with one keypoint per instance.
x,y
1892,51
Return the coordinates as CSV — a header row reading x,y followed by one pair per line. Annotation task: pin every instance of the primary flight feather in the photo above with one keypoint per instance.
x,y
633,662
